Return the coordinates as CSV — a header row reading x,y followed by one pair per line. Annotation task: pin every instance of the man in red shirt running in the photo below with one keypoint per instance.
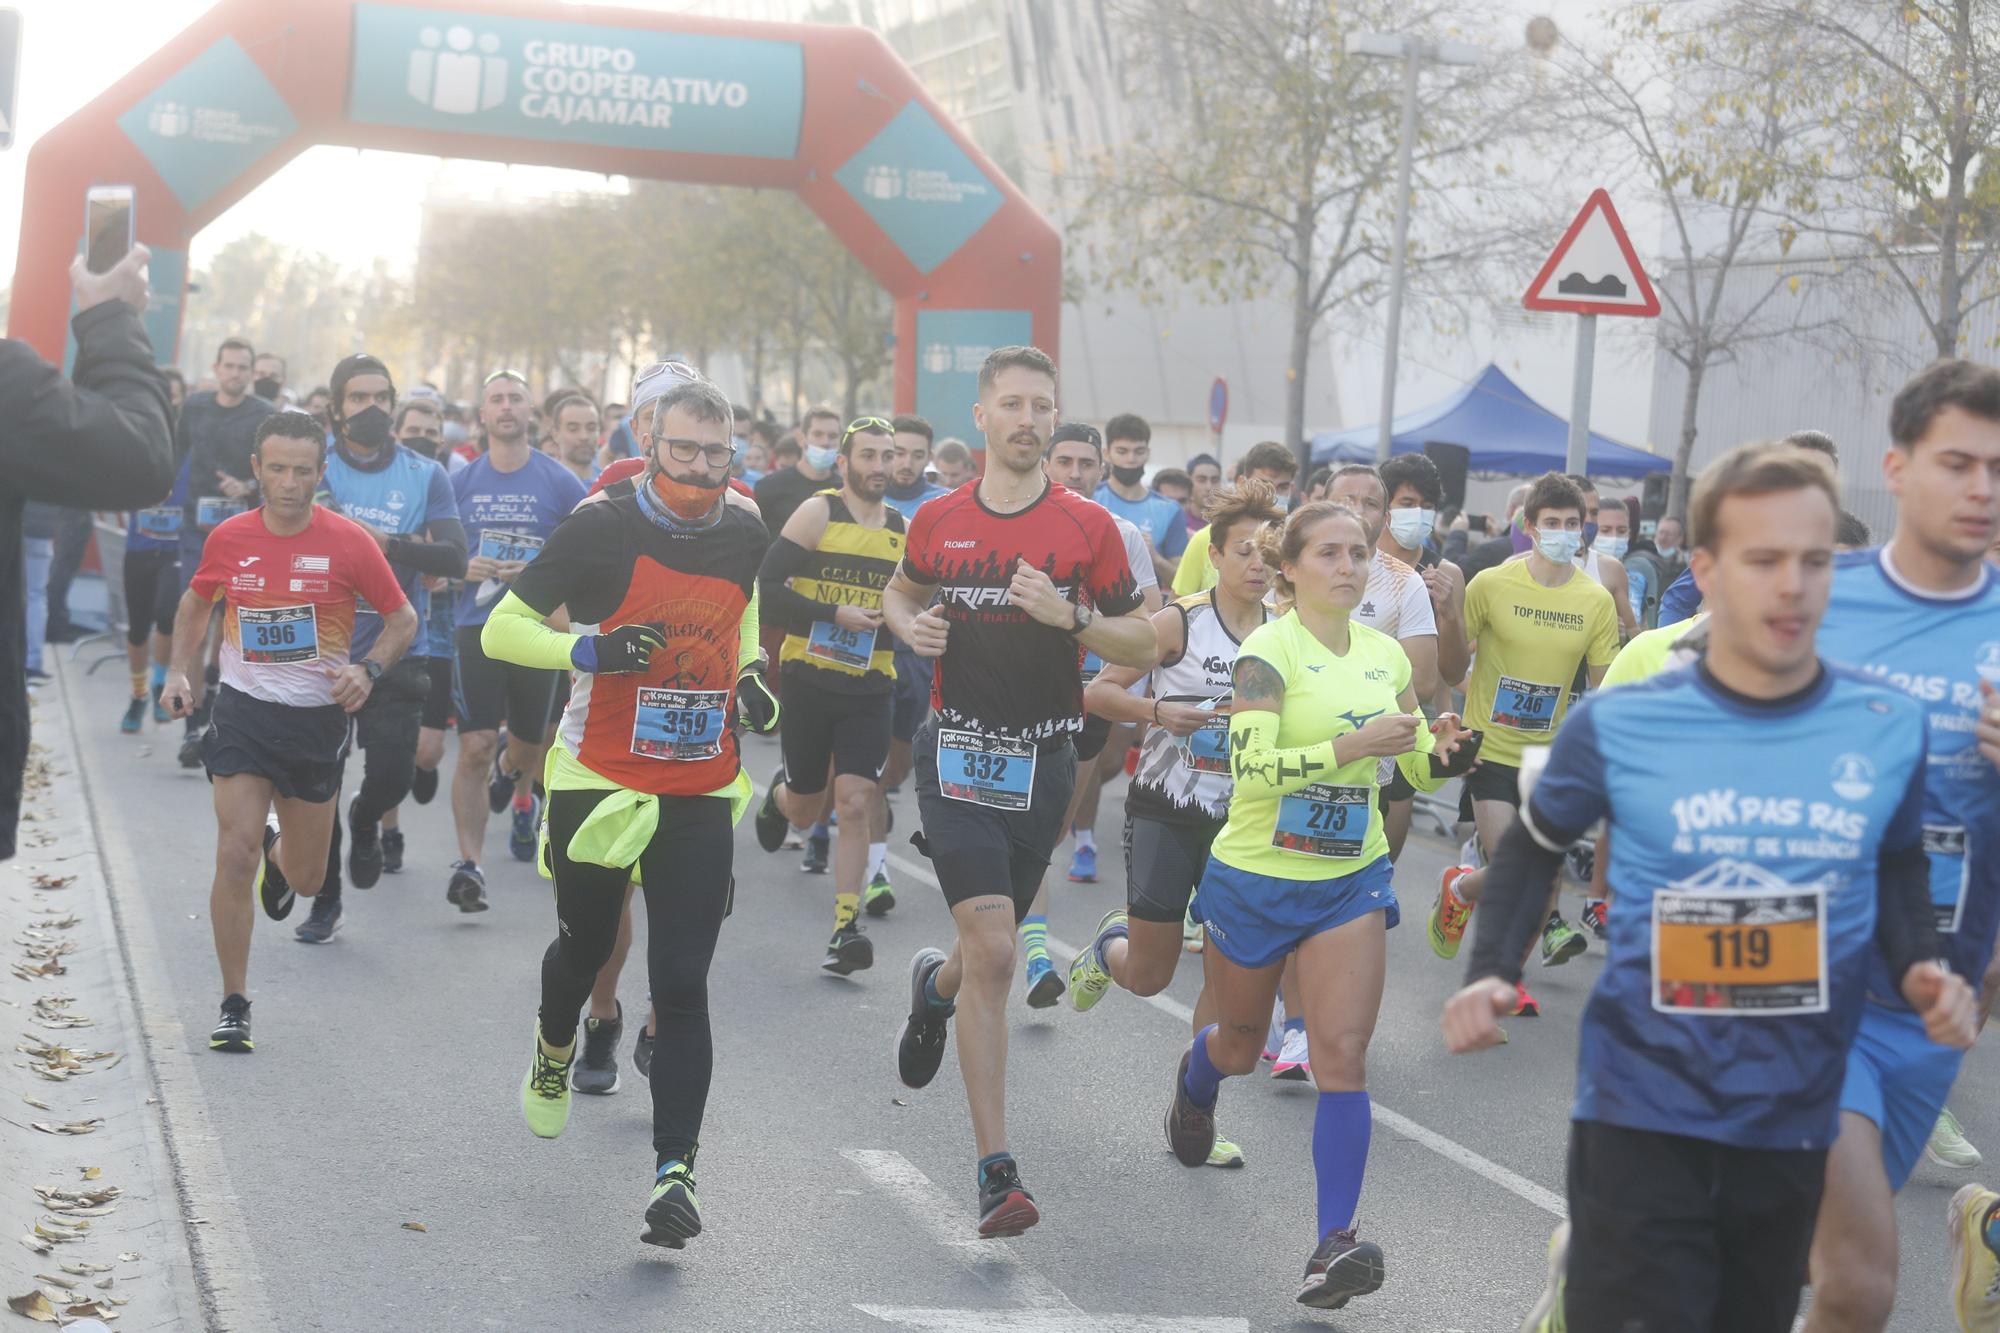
x,y
286,575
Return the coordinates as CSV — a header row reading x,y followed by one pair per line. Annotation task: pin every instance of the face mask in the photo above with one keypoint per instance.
x,y
822,460
1589,533
1128,476
687,500
420,444
1410,527
1668,552
368,428
1558,546
266,388
1614,547
455,433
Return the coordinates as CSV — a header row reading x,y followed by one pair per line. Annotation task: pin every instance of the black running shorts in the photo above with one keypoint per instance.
x,y
1163,864
300,750
825,727
491,692
980,852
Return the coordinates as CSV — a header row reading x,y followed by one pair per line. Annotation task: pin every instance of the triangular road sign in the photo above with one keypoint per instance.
x,y
1593,270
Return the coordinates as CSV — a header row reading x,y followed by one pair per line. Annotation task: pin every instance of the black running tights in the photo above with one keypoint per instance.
x,y
686,871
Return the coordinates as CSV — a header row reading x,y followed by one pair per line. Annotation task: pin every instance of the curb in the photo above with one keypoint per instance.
x,y
214,1267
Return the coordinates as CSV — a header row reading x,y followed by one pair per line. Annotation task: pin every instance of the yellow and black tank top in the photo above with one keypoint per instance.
x,y
850,567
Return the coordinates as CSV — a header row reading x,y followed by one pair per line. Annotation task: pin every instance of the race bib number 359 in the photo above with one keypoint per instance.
x,y
680,725
1755,954
276,635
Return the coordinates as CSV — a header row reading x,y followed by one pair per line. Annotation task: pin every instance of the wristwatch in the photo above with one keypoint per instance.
x,y
373,668
1084,615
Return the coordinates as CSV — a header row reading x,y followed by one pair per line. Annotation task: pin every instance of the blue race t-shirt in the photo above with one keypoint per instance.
x,y
402,493
1158,517
508,516
1744,846
908,506
1936,649
1681,599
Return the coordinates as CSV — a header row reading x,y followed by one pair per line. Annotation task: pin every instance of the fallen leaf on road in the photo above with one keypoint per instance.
x,y
66,1283
39,1106
415,1226
54,881
35,1306
128,1256
93,1306
103,1283
92,1172
70,1126
85,1269
37,1244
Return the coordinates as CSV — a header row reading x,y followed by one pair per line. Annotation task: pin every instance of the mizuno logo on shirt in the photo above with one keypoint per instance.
x,y
1360,720
1314,667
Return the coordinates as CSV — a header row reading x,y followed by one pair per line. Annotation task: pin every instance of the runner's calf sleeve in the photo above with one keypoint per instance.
x,y
1341,1127
1514,905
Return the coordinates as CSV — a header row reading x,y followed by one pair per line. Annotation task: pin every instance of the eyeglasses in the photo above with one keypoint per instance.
x,y
686,451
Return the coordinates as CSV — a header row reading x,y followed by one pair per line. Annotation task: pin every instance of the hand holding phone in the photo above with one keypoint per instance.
x,y
107,226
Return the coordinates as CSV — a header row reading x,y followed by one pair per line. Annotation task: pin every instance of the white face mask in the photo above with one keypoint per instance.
x,y
1411,527
1668,552
1557,545
1614,547
822,459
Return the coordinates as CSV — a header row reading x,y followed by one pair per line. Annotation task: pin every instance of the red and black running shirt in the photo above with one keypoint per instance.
x,y
669,729
1003,672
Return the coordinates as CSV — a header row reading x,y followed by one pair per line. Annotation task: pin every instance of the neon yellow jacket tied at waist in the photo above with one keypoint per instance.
x,y
622,825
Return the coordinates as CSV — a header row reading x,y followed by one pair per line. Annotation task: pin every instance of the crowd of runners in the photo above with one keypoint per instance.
x,y
1762,744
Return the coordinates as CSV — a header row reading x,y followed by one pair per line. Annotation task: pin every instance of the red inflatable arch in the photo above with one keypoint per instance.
x,y
829,112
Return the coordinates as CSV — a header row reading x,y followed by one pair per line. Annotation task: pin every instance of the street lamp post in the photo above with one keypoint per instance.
x,y
1413,52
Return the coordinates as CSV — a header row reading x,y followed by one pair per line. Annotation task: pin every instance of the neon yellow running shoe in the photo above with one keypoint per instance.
x,y
673,1214
545,1088
1975,1271
1225,1154
1088,979
1547,1316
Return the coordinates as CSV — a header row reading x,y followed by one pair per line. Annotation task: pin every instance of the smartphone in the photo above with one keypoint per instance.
x,y
107,226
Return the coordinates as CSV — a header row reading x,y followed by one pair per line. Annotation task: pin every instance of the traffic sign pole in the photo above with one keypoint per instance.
x,y
1577,463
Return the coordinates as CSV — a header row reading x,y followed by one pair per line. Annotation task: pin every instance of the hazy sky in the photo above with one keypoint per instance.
x,y
365,204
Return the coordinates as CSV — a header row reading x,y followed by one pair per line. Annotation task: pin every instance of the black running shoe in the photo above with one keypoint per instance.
x,y
232,1030
920,1048
467,890
815,861
1190,1130
771,822
392,851
848,951
642,1055
322,921
597,1071
364,851
190,754
272,887
500,786
673,1214
424,785
1005,1206
1341,1269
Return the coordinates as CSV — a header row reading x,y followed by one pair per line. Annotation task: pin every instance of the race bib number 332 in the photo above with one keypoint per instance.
x,y
1750,954
986,770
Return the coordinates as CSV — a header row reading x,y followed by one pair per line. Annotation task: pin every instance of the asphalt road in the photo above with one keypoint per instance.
x,y
384,1091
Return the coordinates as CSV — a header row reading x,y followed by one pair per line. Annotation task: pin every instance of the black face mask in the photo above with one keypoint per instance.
x,y
368,428
422,444
1128,476
267,388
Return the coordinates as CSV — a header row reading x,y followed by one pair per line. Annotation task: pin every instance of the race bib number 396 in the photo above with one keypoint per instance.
x,y
1752,954
276,635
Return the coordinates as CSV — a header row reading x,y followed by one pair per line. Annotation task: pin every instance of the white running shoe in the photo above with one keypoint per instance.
x,y
1274,1037
1294,1058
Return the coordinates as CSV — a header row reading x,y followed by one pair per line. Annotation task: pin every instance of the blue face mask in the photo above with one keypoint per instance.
x,y
1615,547
822,459
1557,545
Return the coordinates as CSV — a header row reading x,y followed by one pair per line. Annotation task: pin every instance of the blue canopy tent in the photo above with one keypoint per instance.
x,y
1503,429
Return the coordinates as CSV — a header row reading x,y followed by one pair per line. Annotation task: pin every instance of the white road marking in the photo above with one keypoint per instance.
x,y
1047,1309
1518,1185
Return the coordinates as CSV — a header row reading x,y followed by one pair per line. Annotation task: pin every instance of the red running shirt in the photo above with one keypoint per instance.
x,y
288,618
1004,673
